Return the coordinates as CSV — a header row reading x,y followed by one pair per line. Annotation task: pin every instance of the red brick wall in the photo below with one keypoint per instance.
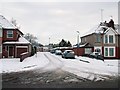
x,y
79,51
9,39
118,52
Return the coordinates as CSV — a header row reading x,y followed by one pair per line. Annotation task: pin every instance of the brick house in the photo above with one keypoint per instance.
x,y
13,41
105,38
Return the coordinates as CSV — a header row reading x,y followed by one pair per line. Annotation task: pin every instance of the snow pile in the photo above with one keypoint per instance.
x,y
90,68
14,65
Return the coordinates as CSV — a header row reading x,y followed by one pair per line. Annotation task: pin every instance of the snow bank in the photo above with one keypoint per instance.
x,y
90,68
14,65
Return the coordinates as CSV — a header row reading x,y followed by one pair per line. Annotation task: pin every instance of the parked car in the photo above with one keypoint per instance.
x,y
52,51
58,52
96,55
68,54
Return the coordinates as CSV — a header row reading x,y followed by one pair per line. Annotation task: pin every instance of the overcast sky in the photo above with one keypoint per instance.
x,y
58,20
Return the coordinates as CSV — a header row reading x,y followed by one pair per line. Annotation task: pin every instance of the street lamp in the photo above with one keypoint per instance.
x,y
78,38
78,33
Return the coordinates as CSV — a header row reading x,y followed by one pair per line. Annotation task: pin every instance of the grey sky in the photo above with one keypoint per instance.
x,y
58,20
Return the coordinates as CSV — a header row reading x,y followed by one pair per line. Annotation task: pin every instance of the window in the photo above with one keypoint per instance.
x,y
106,51
98,38
106,39
110,38
10,34
0,32
109,52
88,50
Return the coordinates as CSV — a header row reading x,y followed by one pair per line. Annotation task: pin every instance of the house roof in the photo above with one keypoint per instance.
x,y
115,31
83,45
100,29
95,29
5,23
21,40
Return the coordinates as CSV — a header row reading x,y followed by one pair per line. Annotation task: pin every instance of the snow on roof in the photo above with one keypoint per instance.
x,y
90,31
5,23
99,29
21,40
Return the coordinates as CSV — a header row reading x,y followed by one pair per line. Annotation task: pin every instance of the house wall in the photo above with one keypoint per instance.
x,y
15,51
0,42
22,49
79,51
118,52
119,46
89,39
15,35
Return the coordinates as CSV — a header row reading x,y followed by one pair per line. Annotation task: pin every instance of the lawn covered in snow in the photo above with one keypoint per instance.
x,y
14,64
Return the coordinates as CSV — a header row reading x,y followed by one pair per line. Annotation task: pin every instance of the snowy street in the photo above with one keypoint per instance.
x,y
49,70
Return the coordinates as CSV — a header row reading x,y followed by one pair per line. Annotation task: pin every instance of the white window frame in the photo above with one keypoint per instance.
x,y
108,41
109,51
9,33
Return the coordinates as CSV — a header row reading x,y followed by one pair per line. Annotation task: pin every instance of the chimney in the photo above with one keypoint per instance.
x,y
119,16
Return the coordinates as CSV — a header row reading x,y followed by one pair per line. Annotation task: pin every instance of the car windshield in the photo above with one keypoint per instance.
x,y
70,52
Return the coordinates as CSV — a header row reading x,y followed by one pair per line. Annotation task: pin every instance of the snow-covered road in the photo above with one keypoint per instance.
x,y
94,70
44,61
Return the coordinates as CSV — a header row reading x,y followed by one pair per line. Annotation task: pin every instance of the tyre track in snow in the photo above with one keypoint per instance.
x,y
91,76
54,64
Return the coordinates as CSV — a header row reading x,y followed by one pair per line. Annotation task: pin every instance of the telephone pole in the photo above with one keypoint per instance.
x,y
102,15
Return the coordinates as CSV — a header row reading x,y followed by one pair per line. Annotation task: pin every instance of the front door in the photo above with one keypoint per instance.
x,y
10,51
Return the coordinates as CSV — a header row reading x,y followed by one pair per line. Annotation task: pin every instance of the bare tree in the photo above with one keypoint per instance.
x,y
14,22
